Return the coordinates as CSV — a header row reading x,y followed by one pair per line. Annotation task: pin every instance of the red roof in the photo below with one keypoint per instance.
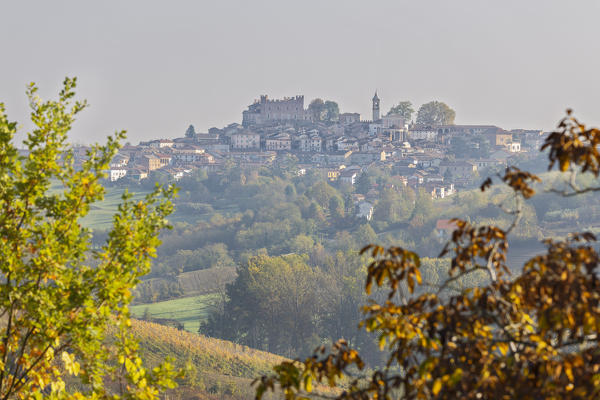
x,y
445,224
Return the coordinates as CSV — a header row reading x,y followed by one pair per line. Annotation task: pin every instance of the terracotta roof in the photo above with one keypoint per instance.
x,y
445,224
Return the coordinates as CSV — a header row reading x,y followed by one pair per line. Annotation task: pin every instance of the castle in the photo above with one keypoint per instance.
x,y
266,110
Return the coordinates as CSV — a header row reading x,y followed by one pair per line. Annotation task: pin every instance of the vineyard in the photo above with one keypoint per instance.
x,y
220,369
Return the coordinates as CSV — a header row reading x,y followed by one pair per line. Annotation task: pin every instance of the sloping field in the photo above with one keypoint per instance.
x,y
101,213
220,369
189,311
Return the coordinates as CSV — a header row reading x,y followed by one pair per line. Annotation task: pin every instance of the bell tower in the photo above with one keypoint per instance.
x,y
375,107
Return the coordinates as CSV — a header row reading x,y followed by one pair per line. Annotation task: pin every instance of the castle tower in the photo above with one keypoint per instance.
x,y
375,107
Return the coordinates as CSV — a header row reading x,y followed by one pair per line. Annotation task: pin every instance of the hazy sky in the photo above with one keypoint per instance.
x,y
154,67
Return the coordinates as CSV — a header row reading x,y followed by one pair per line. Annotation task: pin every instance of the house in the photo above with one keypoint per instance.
x,y
420,132
137,174
367,157
165,159
161,143
245,141
150,162
486,163
278,142
188,154
393,121
364,209
458,169
499,137
346,144
117,173
444,228
119,161
348,176
513,147
311,142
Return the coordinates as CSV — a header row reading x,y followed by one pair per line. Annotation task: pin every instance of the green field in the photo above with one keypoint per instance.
x,y
101,213
188,310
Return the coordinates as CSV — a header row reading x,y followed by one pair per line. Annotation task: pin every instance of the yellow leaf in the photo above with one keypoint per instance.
x,y
308,383
569,372
437,386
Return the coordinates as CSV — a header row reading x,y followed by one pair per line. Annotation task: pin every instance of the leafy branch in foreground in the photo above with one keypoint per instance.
x,y
528,336
57,295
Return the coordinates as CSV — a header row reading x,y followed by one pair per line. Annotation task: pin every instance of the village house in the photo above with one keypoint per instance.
x,y
245,141
367,157
348,176
165,159
150,162
458,169
188,154
278,142
310,142
161,143
420,132
513,147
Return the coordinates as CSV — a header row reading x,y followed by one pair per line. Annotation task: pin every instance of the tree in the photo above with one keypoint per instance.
x,y
533,335
336,207
58,297
435,113
190,132
316,109
331,111
272,304
403,109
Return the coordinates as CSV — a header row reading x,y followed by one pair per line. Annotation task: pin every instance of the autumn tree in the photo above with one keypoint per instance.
x,y
64,305
523,334
435,113
403,109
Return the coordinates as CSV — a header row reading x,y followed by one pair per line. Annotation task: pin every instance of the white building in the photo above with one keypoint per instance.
x,y
514,147
348,176
245,141
422,133
117,173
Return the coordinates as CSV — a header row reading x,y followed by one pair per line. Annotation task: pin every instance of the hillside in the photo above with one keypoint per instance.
x,y
221,369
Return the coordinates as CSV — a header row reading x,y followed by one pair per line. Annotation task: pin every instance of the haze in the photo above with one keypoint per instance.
x,y
154,67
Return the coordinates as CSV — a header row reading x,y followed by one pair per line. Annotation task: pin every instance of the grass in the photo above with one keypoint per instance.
x,y
188,310
101,213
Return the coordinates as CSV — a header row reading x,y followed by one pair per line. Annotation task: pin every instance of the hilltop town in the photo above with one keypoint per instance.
x,y
439,159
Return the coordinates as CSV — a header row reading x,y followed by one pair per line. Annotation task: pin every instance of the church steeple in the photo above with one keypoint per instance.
x,y
375,107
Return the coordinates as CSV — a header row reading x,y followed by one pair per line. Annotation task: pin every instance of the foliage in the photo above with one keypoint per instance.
x,y
332,111
532,335
57,295
190,132
435,113
316,109
324,110
403,109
